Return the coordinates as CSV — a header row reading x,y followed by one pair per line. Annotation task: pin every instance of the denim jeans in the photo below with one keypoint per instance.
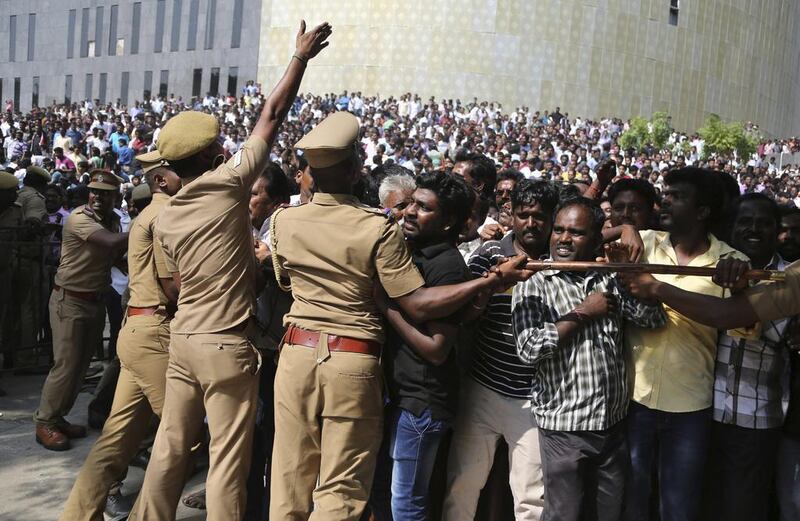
x,y
788,478
415,440
675,444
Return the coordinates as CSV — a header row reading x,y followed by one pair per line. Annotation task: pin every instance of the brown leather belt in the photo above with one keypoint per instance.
x,y
134,311
301,337
89,296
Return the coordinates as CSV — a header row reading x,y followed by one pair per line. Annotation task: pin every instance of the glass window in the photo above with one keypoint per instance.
x,y
197,83
233,79
73,15
236,31
191,37
31,36
112,31
163,84
84,32
87,93
17,82
103,84
91,48
214,87
12,38
35,92
120,46
161,8
136,22
148,84
68,89
98,31
175,39
674,10
211,16
123,87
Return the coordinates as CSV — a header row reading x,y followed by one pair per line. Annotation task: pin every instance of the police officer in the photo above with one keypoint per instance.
x,y
10,224
31,196
143,352
91,243
329,385
208,243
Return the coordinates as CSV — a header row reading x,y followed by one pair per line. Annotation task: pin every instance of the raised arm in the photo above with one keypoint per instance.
x,y
279,101
109,240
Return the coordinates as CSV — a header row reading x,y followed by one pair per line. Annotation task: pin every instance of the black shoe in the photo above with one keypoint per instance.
x,y
117,505
141,459
96,420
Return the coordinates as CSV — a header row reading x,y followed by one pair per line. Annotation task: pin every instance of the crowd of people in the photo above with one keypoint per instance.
x,y
340,285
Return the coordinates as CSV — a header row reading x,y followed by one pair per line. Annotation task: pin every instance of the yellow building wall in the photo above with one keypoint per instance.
x,y
736,58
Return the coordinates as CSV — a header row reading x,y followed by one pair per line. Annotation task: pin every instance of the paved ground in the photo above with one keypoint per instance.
x,y
34,482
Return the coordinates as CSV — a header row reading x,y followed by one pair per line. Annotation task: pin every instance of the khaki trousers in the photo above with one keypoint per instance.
x,y
77,327
483,417
328,426
143,350
212,375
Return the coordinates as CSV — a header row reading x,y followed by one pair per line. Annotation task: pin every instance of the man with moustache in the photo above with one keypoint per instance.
x,y
91,243
143,350
669,421
568,327
632,202
789,235
496,397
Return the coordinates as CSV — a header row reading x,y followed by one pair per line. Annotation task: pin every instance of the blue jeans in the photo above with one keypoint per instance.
x,y
674,444
788,478
415,440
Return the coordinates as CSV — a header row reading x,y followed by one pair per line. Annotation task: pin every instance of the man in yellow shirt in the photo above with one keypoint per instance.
x,y
673,366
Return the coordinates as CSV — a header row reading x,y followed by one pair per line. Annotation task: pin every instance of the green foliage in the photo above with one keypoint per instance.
x,y
642,133
723,138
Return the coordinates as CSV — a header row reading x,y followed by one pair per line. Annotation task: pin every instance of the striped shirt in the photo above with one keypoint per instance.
x,y
495,363
581,386
751,373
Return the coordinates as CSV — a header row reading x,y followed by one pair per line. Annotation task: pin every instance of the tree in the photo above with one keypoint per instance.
x,y
723,138
642,133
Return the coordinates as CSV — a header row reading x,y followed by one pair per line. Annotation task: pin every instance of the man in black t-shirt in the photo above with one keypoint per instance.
x,y
421,361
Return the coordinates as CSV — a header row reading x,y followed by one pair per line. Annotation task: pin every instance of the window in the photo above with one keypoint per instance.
x,y
98,32
148,84
120,46
175,39
137,20
191,37
73,15
123,87
214,87
31,37
68,89
35,92
112,31
211,16
84,32
197,83
91,48
103,86
161,8
16,92
233,79
87,92
674,9
163,84
236,31
12,38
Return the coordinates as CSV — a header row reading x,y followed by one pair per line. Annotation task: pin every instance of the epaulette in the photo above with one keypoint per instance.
x,y
387,214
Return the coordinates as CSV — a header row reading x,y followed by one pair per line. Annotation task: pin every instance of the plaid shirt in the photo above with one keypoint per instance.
x,y
751,375
582,386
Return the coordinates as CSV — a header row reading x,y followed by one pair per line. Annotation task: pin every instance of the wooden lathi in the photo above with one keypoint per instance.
x,y
661,269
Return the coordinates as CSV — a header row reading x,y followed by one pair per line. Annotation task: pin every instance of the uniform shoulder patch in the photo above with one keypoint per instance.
x,y
376,211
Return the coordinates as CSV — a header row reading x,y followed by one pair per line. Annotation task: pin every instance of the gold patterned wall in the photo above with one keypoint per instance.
x,y
737,58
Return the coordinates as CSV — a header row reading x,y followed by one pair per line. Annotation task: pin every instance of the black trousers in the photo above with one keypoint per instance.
x,y
584,474
741,473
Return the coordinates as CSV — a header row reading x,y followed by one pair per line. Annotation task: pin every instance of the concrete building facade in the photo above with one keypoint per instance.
x,y
70,50
739,59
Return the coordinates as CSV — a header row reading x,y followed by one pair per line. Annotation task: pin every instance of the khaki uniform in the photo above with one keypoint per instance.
x,y
329,405
777,300
143,352
77,312
28,284
10,221
206,234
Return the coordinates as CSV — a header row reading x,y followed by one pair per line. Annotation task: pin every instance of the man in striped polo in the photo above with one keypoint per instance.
x,y
495,401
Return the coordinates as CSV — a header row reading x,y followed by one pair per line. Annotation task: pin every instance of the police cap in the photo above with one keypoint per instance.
x,y
187,134
8,181
39,171
330,142
104,180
